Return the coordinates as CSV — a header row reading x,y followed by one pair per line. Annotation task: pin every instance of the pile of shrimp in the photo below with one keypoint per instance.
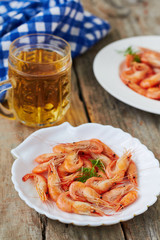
x,y
112,188
143,76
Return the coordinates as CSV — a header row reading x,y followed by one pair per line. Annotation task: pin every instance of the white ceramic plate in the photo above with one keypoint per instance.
x,y
106,69
43,140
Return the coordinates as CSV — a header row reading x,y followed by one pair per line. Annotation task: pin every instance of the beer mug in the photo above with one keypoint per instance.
x,y
39,70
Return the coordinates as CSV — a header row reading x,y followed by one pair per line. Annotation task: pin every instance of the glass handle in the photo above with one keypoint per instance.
x,y
4,111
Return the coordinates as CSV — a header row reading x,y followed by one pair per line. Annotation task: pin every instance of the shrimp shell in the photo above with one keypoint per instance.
x,y
54,183
41,184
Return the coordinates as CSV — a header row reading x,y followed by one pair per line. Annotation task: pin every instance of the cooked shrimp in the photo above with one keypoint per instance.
x,y
43,167
44,157
150,57
115,194
136,73
85,208
132,173
79,192
76,191
142,68
129,198
137,88
101,174
67,180
107,151
92,145
67,204
104,159
87,163
99,184
93,197
72,162
129,60
87,145
48,156
153,93
119,167
54,183
151,81
62,171
70,178
41,184
63,148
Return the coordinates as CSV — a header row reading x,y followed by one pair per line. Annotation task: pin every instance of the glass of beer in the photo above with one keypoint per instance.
x,y
40,75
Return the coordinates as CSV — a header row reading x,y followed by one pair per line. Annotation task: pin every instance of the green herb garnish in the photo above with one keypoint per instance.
x,y
87,173
97,163
137,58
129,51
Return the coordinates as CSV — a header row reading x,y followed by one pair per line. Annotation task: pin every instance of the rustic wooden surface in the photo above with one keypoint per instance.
x,y
90,103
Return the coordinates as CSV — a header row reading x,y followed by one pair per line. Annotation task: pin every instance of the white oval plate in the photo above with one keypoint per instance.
x,y
43,140
106,69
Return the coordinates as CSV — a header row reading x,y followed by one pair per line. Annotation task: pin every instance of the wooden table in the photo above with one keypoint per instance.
x,y
90,103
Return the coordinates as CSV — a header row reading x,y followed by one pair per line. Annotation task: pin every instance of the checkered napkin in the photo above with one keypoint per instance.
x,y
64,18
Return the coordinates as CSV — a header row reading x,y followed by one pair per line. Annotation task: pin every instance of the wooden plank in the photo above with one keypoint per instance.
x,y
59,231
17,221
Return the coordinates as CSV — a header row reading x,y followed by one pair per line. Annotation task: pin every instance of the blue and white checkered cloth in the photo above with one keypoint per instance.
x,y
64,18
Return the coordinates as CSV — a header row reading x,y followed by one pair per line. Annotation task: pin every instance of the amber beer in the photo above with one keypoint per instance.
x,y
41,82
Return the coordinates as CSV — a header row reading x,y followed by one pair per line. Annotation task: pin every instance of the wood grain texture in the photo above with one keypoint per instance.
x,y
90,102
61,231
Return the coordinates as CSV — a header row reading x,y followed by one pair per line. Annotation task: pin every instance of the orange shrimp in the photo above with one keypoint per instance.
x,y
153,93
91,145
119,167
93,197
62,171
136,73
72,162
132,173
150,57
67,204
54,183
151,81
44,157
67,180
76,191
84,156
101,173
99,184
41,184
115,194
85,208
104,159
43,167
107,151
63,148
129,60
126,200
87,163
137,88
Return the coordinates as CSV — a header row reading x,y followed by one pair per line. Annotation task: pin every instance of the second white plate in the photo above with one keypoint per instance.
x,y
106,69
